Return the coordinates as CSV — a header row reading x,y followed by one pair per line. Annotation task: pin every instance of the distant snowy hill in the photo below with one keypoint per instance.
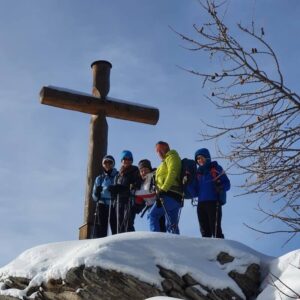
x,y
138,254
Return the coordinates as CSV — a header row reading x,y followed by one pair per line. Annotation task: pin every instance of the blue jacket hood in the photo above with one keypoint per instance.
x,y
204,152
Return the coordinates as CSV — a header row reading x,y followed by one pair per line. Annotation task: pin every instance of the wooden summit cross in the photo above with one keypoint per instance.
x,y
99,106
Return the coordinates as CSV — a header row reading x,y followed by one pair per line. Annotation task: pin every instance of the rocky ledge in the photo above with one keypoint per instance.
x,y
95,283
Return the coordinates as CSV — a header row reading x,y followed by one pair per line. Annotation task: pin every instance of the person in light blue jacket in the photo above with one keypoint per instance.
x,y
210,187
104,214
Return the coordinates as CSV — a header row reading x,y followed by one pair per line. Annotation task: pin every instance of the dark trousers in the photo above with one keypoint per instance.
x,y
101,224
162,224
209,217
125,213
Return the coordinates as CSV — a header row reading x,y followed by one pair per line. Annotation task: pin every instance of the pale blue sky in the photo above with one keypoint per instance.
x,y
44,149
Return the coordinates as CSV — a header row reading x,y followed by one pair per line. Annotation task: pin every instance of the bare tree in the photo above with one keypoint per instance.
x,y
264,127
282,287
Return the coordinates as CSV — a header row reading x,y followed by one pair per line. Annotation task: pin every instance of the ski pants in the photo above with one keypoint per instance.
x,y
162,221
126,213
209,217
170,209
101,224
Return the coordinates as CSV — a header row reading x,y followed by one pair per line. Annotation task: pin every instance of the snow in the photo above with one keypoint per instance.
x,y
284,276
138,253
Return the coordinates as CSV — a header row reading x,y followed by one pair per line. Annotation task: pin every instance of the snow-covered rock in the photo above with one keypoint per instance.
x,y
141,265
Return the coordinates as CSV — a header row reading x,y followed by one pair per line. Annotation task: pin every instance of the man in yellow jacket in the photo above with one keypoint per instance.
x,y
168,186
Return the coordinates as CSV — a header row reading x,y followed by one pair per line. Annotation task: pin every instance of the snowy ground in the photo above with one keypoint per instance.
x,y
140,252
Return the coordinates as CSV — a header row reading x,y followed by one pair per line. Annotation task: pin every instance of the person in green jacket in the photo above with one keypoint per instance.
x,y
169,193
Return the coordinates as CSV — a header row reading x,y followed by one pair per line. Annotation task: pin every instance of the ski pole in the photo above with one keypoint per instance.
x,y
180,209
124,224
166,214
126,219
95,219
217,216
117,208
109,213
179,214
144,211
130,205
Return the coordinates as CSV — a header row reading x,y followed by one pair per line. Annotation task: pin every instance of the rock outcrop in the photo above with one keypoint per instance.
x,y
95,283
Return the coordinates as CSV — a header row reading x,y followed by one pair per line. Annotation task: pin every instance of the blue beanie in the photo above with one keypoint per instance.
x,y
204,152
126,154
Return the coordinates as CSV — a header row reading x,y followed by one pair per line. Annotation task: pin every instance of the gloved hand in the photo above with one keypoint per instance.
x,y
133,187
159,202
112,189
159,198
218,186
98,191
185,179
118,189
160,193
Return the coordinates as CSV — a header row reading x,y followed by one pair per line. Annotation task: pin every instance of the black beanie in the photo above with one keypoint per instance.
x,y
145,163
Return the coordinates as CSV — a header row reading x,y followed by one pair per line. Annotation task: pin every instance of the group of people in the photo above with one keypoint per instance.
x,y
120,195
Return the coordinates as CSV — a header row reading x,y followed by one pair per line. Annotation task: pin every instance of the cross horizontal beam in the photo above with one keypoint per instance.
x,y
83,102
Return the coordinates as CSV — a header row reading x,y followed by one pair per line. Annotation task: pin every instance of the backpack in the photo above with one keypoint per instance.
x,y
188,172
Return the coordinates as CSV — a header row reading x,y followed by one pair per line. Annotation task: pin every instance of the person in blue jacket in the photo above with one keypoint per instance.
x,y
105,214
210,187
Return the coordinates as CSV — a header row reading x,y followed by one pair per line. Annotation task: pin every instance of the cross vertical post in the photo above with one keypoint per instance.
x,y
97,143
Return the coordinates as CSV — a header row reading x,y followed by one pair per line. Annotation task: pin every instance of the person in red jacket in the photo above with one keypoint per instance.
x,y
145,194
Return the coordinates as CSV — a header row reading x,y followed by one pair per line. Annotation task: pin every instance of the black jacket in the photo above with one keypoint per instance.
x,y
125,181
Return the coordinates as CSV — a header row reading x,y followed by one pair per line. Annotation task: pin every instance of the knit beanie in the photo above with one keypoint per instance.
x,y
108,158
126,154
145,163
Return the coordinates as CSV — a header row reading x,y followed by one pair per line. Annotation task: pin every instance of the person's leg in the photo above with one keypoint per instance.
x,y
214,210
103,220
162,224
154,215
203,219
120,211
94,232
220,233
171,207
113,220
173,226
130,218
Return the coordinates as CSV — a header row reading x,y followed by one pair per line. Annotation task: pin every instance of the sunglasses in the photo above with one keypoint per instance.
x,y
108,162
126,158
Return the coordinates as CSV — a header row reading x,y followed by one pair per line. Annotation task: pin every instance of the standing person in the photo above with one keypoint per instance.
x,y
122,192
169,194
145,195
104,214
210,187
